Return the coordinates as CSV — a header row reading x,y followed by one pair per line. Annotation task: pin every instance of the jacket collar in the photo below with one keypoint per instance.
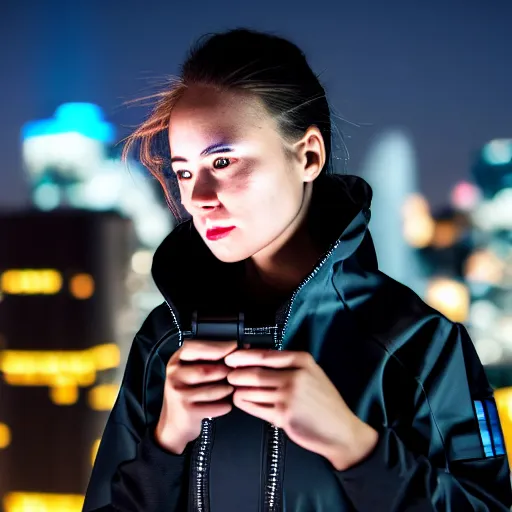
x,y
190,277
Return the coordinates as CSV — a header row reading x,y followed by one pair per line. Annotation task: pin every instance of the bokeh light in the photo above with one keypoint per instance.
x,y
81,286
449,297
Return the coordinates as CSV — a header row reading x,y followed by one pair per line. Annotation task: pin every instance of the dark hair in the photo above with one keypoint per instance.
x,y
269,66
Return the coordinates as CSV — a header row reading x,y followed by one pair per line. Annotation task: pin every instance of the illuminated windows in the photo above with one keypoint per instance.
x,y
62,371
5,436
31,501
44,282
31,282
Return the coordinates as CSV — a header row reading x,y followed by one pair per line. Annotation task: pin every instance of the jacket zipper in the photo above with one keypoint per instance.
x,y
200,501
273,484
196,502
199,497
202,451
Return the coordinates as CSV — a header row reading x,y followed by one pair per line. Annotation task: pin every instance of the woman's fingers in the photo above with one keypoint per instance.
x,y
195,350
207,393
201,373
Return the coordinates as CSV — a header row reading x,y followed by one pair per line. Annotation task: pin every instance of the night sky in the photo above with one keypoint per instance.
x,y
441,69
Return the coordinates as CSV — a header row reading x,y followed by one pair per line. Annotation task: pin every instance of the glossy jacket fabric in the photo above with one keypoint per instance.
x,y
401,367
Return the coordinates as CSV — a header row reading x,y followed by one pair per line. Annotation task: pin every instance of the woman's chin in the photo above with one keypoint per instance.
x,y
226,254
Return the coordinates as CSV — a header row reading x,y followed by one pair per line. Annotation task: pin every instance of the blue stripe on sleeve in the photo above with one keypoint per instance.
x,y
490,428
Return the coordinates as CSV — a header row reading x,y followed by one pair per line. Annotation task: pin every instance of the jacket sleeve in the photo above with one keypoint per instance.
x,y
131,471
451,457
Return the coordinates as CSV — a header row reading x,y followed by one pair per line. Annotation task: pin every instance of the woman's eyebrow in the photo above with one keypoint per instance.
x,y
220,147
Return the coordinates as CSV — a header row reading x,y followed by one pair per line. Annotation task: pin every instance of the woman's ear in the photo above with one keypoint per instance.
x,y
310,150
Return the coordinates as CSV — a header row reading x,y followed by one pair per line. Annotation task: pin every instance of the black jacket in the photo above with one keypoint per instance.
x,y
401,366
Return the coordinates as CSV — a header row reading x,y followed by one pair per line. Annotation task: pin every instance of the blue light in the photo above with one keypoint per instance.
x,y
485,435
84,118
498,152
490,428
494,423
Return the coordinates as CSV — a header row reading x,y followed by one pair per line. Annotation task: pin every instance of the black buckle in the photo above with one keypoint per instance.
x,y
229,328
219,328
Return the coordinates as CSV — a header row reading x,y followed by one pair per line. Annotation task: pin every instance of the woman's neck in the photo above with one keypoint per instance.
x,y
282,273
278,271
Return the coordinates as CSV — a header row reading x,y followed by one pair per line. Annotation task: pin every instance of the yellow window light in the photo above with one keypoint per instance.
x,y
31,282
5,436
62,371
41,502
106,356
503,399
81,286
103,397
94,450
64,395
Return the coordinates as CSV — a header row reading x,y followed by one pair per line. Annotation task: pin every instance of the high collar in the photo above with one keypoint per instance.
x,y
190,277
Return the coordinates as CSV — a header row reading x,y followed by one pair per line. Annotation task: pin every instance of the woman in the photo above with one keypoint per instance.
x,y
367,399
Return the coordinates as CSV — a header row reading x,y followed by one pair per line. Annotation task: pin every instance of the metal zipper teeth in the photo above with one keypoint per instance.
x,y
267,331
306,280
201,498
274,468
273,485
202,452
200,502
251,331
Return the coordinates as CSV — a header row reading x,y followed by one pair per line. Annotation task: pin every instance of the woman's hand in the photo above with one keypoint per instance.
x,y
289,390
195,388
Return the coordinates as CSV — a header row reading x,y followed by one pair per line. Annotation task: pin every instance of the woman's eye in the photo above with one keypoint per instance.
x,y
183,175
221,163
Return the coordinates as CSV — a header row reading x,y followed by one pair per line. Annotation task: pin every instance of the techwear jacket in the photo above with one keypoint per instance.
x,y
401,367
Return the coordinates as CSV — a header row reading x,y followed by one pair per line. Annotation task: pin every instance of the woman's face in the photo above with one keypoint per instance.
x,y
241,188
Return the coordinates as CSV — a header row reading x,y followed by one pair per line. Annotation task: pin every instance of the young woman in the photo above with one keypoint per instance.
x,y
338,389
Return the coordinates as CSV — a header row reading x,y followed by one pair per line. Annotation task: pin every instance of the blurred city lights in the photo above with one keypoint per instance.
x,y
105,356
47,196
495,214
503,330
65,157
94,450
42,502
449,297
64,394
142,261
483,314
62,371
503,399
5,436
81,286
71,164
418,227
465,196
83,118
445,234
103,397
498,152
489,350
31,282
484,266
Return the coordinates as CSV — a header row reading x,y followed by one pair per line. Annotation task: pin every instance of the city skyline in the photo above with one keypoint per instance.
x,y
438,71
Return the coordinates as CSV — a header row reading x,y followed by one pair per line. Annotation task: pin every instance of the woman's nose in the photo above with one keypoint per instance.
x,y
204,191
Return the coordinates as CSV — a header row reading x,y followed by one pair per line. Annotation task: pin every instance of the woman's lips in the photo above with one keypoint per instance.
x,y
218,233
